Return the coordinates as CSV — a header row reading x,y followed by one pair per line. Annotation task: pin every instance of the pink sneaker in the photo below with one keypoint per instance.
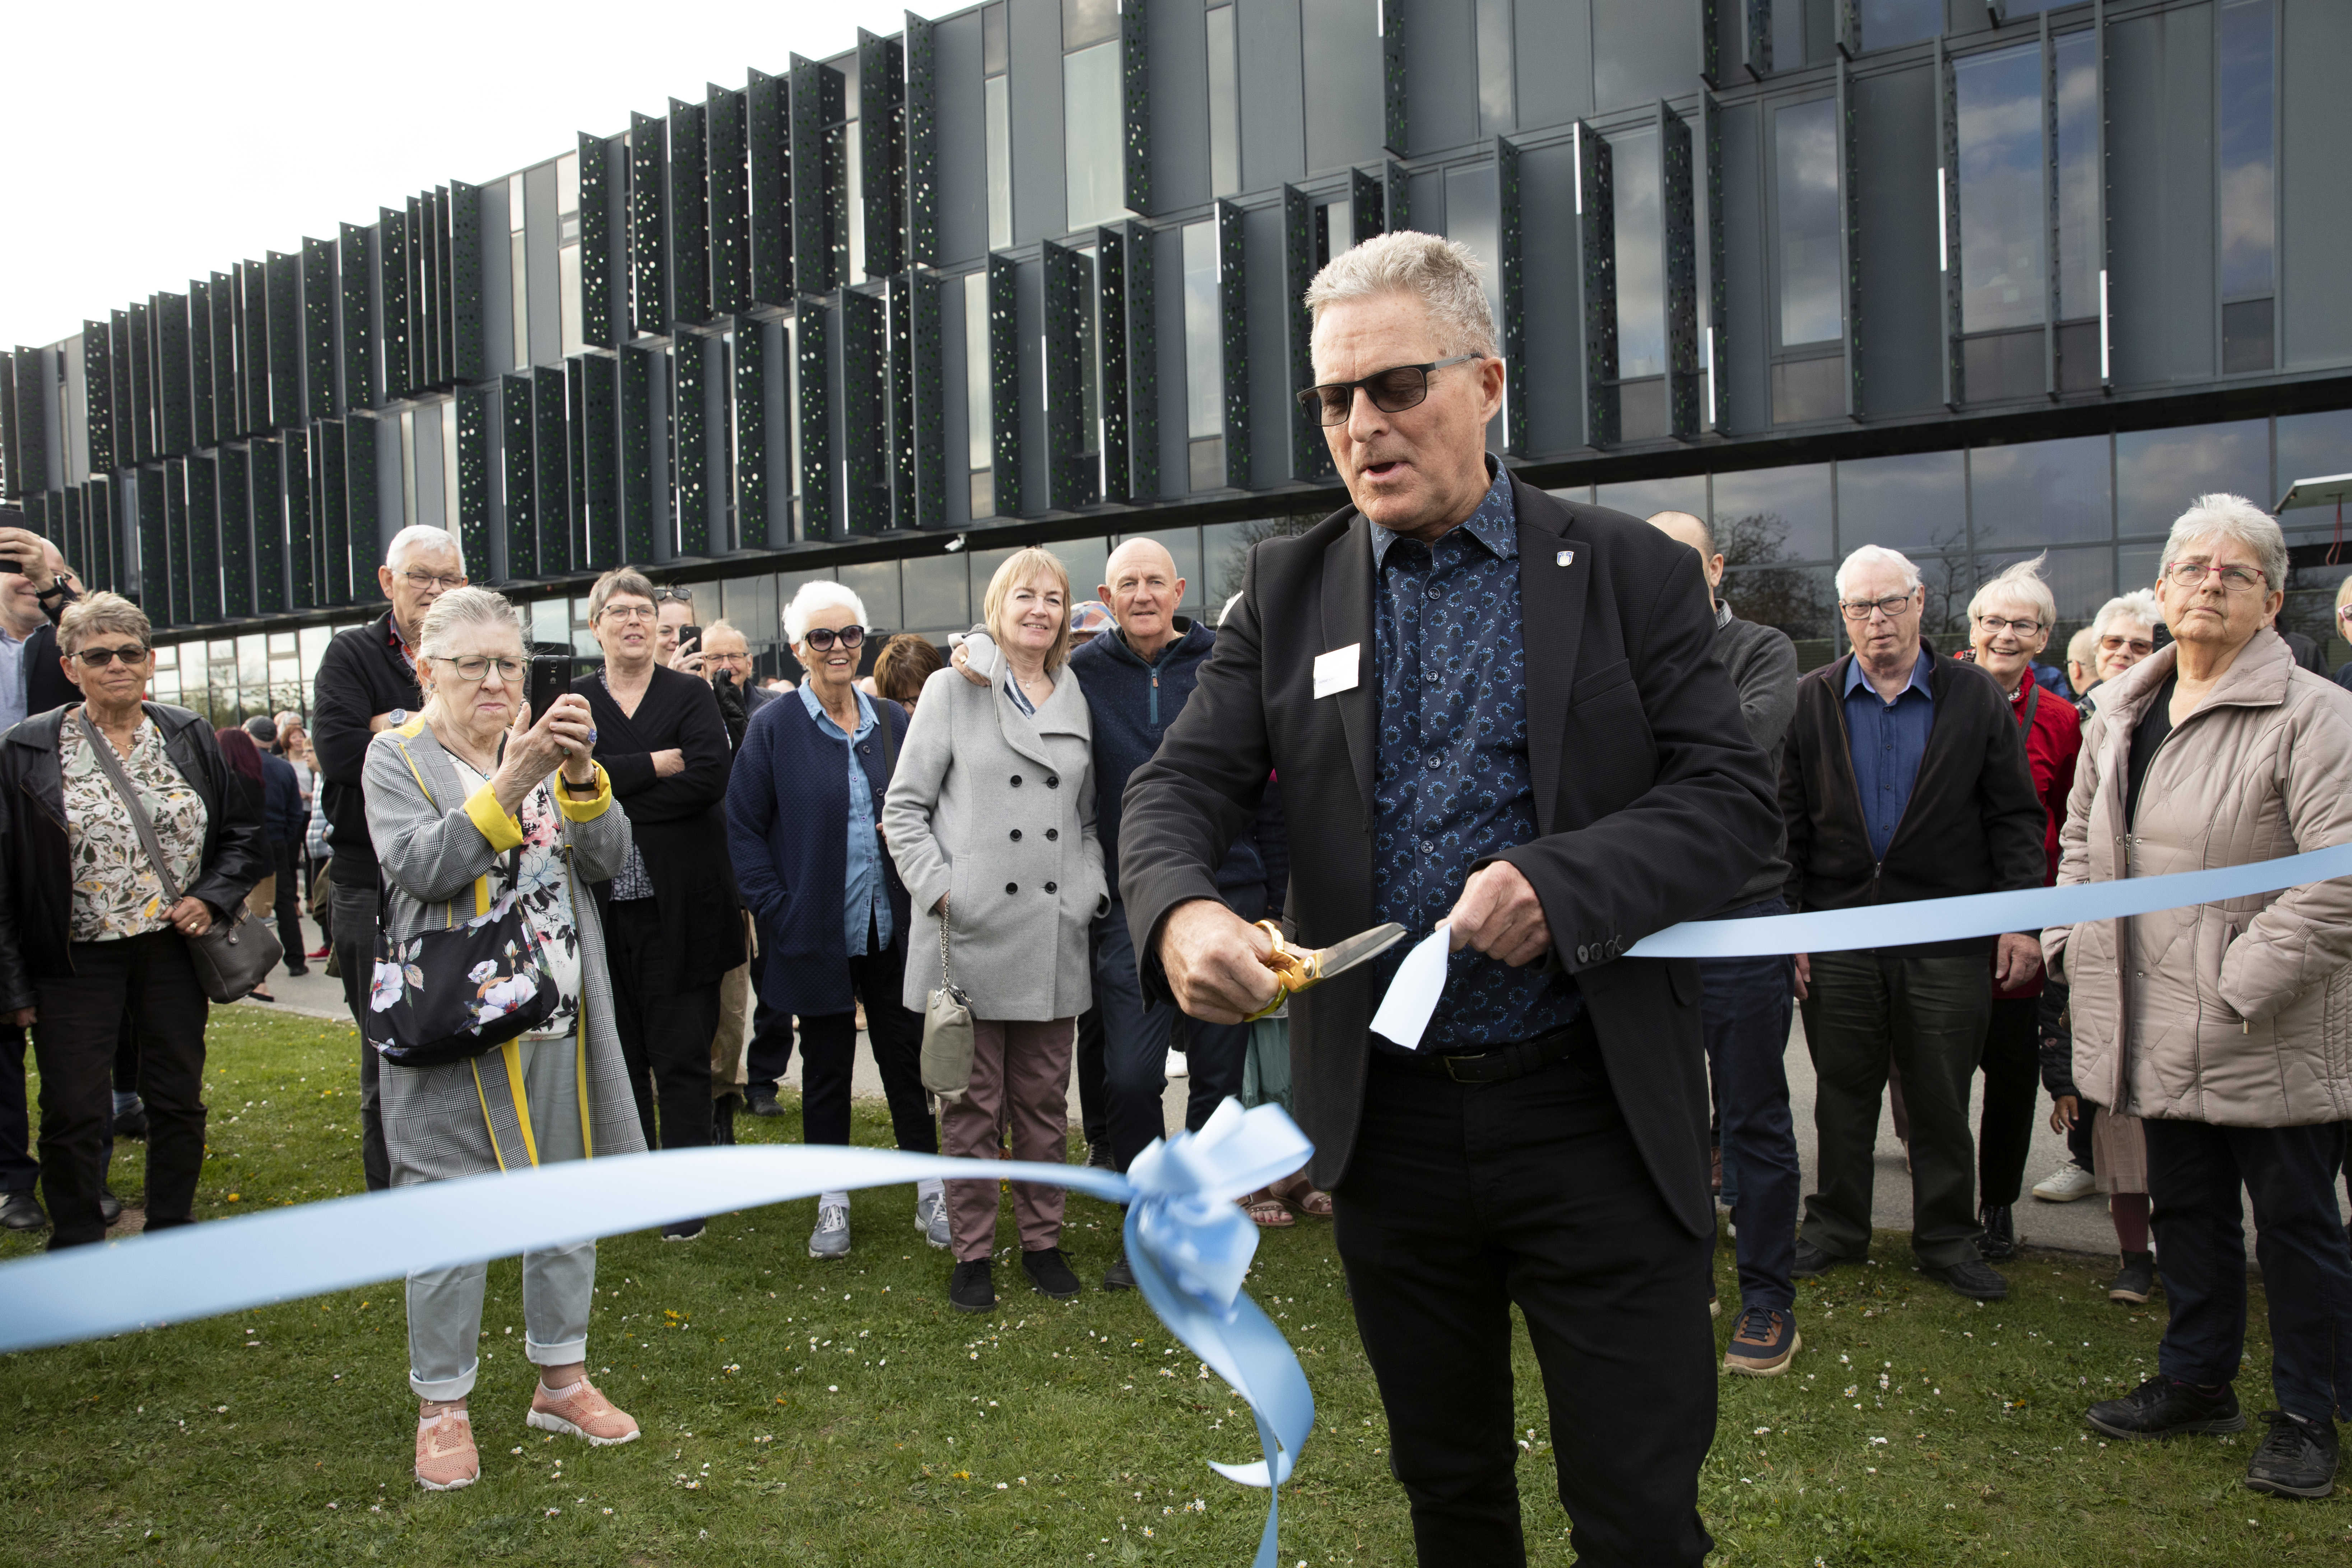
x,y
445,1458
582,1412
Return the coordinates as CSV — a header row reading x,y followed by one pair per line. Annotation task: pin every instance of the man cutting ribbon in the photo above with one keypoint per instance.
x,y
1495,709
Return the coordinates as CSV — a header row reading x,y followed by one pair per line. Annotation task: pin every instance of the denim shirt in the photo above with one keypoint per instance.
x,y
865,902
1885,741
1453,783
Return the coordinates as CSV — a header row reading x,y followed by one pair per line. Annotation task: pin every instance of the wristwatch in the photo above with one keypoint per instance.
x,y
395,719
571,788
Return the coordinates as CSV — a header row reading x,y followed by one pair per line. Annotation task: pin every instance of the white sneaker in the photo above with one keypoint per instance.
x,y
931,1218
2066,1183
831,1237
1177,1066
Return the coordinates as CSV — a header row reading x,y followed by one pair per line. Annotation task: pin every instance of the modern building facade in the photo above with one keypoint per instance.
x,y
1971,279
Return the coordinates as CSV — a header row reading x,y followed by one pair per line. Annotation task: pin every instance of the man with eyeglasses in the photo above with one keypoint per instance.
x,y
367,683
1906,778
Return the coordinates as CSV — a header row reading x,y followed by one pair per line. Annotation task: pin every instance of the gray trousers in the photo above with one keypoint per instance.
x,y
444,1305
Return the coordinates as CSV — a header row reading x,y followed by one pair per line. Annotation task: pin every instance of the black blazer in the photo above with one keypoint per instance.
x,y
359,676
679,822
1652,804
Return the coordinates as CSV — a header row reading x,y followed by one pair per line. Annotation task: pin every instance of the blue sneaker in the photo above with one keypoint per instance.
x,y
1762,1343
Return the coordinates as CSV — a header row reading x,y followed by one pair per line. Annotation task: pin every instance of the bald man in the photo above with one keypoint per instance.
x,y
1745,1005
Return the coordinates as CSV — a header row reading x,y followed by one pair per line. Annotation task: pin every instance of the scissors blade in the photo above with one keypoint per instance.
x,y
1341,957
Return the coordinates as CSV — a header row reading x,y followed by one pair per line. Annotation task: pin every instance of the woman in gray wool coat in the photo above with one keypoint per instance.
x,y
990,820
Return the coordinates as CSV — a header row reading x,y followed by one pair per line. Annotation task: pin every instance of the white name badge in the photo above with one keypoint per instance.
x,y
1339,670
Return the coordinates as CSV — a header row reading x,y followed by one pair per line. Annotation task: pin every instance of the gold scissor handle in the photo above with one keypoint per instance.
x,y
1295,969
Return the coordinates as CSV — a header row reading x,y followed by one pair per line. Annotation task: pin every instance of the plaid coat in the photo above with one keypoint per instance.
x,y
436,843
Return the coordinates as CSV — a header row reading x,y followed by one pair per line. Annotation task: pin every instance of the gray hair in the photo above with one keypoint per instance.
x,y
1442,274
821,594
619,580
2020,581
2139,606
2230,517
419,536
462,607
1877,556
99,614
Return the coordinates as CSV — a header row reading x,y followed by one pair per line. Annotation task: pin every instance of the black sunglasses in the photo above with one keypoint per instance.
x,y
1392,391
99,657
681,596
822,638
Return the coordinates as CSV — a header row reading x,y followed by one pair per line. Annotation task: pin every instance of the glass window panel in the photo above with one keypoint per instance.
x,y
984,565
1788,35
2002,220
1092,135
855,181
2249,226
1635,179
1800,600
2042,492
1805,165
876,583
1472,217
995,48
1204,349
938,590
2136,567
1088,22
2079,248
2159,472
1887,23
979,450
1342,63
550,620
749,604
567,186
2080,581
567,263
1915,502
1224,555
2311,447
1644,497
1950,582
995,95
1581,494
1497,112
1766,515
1184,545
1083,559
1224,105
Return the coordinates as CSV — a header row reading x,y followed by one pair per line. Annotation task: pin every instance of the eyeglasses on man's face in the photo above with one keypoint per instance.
x,y
821,638
1890,606
1993,626
1392,391
476,667
424,582
2192,574
99,657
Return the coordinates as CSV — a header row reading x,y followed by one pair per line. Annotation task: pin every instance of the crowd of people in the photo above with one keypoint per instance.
x,y
1458,701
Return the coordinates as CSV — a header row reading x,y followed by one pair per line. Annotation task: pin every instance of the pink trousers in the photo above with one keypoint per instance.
x,y
1020,1085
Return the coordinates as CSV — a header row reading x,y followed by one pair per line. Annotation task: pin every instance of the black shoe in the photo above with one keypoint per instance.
x,y
2296,1459
2000,1239
132,1124
2136,1283
293,969
764,1101
973,1287
684,1230
722,1119
1970,1278
1049,1273
2161,1407
1812,1262
1119,1275
22,1211
1098,1157
110,1207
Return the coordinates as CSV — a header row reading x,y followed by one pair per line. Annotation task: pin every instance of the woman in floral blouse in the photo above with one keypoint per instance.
x,y
87,925
469,804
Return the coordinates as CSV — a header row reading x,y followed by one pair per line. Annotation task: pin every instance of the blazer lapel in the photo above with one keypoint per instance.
x,y
1555,572
1022,732
1348,620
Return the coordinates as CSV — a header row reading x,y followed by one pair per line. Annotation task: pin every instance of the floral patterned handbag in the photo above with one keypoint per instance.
x,y
451,994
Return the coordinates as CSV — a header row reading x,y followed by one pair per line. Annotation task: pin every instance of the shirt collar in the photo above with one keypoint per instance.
x,y
1722,614
1854,676
807,690
1493,525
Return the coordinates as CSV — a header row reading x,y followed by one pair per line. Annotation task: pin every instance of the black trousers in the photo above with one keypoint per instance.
x,y
770,1051
2195,1172
287,855
18,1168
354,934
2012,1089
1094,1097
74,1041
1465,1199
829,1048
665,1031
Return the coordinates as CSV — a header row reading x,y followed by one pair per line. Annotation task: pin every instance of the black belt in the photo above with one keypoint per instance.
x,y
1499,1065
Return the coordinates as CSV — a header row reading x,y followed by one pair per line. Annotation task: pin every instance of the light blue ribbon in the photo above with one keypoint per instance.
x,y
1189,1245
1987,914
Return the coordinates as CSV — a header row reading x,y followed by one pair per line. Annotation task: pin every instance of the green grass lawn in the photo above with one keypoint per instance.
x,y
841,1414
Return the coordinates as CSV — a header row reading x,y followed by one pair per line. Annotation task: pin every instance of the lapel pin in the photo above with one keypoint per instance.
x,y
1563,558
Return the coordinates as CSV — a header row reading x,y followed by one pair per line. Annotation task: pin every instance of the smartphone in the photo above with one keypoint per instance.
x,y
550,676
690,635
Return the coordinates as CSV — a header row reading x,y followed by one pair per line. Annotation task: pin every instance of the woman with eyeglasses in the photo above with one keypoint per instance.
x,y
671,909
2227,1026
89,926
803,815
473,802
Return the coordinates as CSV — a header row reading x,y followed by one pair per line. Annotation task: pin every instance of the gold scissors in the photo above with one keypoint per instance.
x,y
1299,967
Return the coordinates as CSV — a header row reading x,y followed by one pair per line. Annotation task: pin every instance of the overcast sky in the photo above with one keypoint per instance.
x,y
166,141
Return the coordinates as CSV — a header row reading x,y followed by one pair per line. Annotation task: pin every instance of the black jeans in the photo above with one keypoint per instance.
x,y
665,1032
356,912
2012,1091
287,857
1135,1043
829,1047
1094,1094
1746,1006
18,1168
1465,1199
770,1051
74,1039
2194,1172
1927,1015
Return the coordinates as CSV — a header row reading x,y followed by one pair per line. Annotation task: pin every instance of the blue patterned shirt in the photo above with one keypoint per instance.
x,y
866,902
1453,784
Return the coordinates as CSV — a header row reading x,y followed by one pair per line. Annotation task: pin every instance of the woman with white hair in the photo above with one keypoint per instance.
x,y
473,802
804,814
2122,634
2010,622
2227,1026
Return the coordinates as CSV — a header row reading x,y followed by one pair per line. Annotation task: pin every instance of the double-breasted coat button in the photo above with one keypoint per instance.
x,y
1012,886
1016,836
1052,834
1052,780
1051,886
1016,781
